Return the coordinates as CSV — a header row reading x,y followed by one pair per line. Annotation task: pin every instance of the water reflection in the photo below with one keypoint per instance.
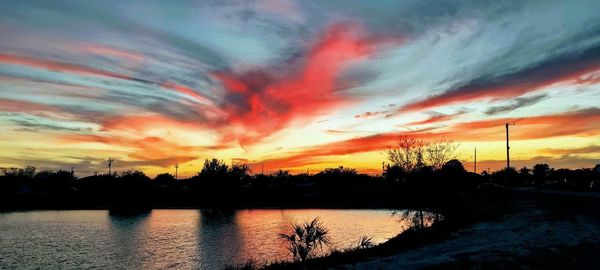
x,y
219,238
127,235
167,239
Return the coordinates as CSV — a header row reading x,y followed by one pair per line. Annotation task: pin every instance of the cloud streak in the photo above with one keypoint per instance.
x,y
516,104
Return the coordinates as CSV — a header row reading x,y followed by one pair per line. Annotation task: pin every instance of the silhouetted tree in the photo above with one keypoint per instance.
x,y
19,173
506,177
165,179
439,152
408,153
306,239
525,176
282,174
213,169
394,174
541,172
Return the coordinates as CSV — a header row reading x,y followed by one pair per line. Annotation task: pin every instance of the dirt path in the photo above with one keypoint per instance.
x,y
536,234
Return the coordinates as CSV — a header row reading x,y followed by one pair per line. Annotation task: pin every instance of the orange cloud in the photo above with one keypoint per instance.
x,y
262,102
577,123
317,154
150,149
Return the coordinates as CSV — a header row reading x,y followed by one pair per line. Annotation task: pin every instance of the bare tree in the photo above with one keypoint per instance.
x,y
439,152
408,153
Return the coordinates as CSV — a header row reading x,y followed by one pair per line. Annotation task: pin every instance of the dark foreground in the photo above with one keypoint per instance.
x,y
532,231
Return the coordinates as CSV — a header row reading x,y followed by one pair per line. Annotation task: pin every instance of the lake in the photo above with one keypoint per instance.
x,y
182,239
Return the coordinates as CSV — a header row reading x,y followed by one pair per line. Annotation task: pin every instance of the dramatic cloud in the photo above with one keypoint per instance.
x,y
292,83
262,102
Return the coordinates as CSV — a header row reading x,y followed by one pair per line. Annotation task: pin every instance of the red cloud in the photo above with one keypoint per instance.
x,y
260,103
316,154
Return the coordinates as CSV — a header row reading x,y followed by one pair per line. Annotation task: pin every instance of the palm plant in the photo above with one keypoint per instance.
x,y
365,242
306,238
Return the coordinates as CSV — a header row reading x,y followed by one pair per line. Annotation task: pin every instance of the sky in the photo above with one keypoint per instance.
x,y
295,85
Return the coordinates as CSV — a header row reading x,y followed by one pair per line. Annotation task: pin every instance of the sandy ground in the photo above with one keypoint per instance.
x,y
535,234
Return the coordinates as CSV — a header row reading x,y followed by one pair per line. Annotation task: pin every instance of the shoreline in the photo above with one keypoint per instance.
x,y
521,212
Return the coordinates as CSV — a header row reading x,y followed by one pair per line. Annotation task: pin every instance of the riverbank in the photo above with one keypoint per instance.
x,y
538,232
530,230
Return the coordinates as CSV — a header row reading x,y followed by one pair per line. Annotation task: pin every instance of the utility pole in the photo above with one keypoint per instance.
x,y
475,162
507,146
110,161
262,168
176,167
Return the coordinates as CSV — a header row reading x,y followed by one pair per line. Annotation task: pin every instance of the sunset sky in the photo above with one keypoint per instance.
x,y
295,84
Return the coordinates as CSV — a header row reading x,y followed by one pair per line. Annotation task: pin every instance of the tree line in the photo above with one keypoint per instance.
x,y
419,172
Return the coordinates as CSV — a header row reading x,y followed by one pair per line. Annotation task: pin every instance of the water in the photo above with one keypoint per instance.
x,y
160,239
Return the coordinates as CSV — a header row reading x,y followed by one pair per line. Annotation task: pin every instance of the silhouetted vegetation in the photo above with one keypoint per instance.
x,y
421,175
306,239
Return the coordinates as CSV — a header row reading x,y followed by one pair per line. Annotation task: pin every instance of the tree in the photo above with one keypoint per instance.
x,y
525,176
394,173
453,166
407,153
541,172
281,174
213,168
525,171
439,152
164,179
239,171
22,173
306,238
338,172
410,153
